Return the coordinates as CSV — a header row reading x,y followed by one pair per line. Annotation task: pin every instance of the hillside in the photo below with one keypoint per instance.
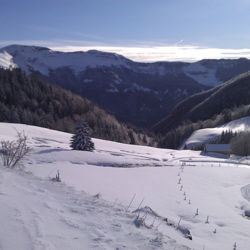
x,y
207,135
90,208
207,104
40,214
31,100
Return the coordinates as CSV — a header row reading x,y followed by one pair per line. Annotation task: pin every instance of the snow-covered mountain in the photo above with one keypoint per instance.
x,y
44,60
139,93
90,208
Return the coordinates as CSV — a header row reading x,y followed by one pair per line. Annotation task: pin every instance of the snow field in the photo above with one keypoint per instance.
x,y
174,184
38,214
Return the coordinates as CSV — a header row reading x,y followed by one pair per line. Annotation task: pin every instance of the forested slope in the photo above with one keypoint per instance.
x,y
31,100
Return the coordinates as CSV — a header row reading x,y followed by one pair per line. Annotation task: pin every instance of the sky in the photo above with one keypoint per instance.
x,y
143,30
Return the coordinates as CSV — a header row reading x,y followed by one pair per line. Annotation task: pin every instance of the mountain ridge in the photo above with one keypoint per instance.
x,y
138,93
196,70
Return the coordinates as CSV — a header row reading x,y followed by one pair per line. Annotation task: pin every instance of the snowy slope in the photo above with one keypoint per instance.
x,y
38,214
6,60
207,134
172,183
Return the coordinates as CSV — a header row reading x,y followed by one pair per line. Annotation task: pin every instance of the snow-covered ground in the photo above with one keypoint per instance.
x,y
207,134
90,208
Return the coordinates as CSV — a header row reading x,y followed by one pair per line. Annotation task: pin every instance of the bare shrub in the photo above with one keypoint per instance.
x,y
13,153
57,178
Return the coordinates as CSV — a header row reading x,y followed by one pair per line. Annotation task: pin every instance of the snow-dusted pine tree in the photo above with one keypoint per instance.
x,y
81,139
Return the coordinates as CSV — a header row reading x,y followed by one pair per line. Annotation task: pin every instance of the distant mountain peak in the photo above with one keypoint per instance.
x,y
43,60
19,47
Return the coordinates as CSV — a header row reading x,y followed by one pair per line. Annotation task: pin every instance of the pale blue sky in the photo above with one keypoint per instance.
x,y
223,24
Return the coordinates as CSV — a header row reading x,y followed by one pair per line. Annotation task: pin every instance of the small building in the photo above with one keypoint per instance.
x,y
218,148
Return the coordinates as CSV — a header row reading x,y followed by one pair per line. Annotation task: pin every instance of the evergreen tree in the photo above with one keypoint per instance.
x,y
14,117
240,144
81,139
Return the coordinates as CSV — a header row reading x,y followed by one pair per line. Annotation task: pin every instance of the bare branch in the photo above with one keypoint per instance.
x,y
13,153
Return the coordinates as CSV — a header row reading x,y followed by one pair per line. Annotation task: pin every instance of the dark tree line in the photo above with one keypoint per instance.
x,y
240,144
31,100
225,137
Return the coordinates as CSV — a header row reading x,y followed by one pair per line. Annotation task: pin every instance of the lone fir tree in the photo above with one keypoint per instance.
x,y
81,139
